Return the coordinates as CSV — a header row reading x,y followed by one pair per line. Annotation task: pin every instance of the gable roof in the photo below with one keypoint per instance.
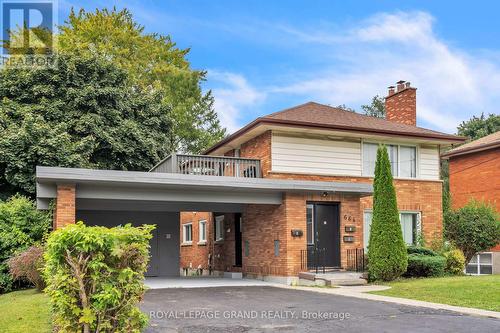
x,y
315,115
488,142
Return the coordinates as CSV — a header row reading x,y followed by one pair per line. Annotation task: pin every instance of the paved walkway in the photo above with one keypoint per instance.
x,y
201,282
361,292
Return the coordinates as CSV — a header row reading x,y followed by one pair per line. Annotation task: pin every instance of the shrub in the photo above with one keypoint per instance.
x,y
387,257
420,250
425,266
455,262
473,228
21,225
27,266
95,277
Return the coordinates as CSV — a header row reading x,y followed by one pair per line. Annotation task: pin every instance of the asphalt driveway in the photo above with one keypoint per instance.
x,y
270,309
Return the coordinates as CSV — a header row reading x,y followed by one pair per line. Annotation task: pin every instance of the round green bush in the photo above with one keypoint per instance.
x,y
455,262
421,250
95,277
425,266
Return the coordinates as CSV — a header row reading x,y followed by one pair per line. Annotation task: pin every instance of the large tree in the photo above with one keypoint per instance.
x,y
153,62
80,113
477,127
376,108
387,257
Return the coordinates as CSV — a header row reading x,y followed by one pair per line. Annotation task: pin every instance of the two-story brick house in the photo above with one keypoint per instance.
x,y
286,191
320,143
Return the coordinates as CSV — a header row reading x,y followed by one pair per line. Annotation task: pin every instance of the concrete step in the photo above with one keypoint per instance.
x,y
341,278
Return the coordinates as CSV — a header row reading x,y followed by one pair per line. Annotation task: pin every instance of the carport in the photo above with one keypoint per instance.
x,y
108,198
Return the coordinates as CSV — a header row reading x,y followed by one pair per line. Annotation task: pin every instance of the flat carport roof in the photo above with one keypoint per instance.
x,y
134,190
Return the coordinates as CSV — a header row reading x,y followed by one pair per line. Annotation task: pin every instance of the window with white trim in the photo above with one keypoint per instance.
x,y
410,225
219,228
310,224
202,231
403,160
480,264
187,233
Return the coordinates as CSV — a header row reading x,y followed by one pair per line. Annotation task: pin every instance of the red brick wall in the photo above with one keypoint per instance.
x,y
476,176
65,210
401,107
260,148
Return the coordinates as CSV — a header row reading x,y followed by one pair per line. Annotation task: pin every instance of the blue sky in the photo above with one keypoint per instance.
x,y
264,56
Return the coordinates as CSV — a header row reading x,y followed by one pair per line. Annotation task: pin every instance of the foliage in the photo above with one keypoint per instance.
x,y
95,277
387,257
420,250
26,311
478,127
81,113
455,262
153,62
473,228
27,265
21,225
376,108
420,265
345,108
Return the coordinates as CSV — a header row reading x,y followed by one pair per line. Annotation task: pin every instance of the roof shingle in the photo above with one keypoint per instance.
x,y
489,141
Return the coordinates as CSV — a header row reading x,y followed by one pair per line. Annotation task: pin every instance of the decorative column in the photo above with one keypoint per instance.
x,y
65,211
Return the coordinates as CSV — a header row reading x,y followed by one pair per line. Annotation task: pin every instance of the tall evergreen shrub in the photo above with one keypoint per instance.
x,y
387,257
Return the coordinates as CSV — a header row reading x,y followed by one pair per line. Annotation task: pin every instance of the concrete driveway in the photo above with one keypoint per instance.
x,y
270,309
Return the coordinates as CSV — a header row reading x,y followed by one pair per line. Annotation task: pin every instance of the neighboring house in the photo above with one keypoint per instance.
x,y
285,193
475,174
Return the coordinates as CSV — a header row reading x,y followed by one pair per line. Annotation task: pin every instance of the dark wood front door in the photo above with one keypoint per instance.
x,y
327,232
237,240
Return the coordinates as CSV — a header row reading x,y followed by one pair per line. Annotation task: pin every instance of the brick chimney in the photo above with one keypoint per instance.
x,y
401,104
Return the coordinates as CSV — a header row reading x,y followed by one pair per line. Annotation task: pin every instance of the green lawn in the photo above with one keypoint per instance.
x,y
25,311
482,292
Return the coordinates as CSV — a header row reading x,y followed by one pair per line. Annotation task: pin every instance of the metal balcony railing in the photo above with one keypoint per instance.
x,y
210,166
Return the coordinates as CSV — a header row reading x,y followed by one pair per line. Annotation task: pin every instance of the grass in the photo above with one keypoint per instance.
x,y
482,292
25,311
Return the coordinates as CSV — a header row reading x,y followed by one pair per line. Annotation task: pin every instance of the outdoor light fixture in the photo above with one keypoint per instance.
x,y
324,194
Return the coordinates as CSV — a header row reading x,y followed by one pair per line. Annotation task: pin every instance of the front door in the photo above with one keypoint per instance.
x,y
237,240
154,255
327,233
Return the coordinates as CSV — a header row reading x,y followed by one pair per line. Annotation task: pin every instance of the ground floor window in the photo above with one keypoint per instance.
x,y
480,263
202,231
187,233
410,225
219,228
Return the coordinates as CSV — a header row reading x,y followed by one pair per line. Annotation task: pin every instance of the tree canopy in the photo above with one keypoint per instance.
x,y
478,127
80,113
376,108
153,62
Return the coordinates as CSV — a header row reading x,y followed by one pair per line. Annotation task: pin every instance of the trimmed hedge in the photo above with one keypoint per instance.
x,y
421,250
95,277
425,266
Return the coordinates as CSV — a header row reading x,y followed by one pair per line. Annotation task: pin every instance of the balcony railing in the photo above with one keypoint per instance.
x,y
210,166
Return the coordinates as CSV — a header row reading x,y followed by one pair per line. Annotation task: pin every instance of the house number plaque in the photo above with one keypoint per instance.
x,y
350,218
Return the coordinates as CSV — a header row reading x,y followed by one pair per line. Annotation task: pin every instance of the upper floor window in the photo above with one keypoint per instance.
x,y
403,160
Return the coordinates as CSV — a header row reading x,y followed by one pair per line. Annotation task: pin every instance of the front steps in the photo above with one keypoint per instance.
x,y
328,279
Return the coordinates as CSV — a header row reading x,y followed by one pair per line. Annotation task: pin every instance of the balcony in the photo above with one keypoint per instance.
x,y
210,166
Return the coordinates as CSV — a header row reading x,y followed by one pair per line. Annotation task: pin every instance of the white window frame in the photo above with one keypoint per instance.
x,y
201,239
312,224
184,233
397,144
418,226
478,264
219,228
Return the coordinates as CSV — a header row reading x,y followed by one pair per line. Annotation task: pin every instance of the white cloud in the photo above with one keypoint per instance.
x,y
366,58
233,94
